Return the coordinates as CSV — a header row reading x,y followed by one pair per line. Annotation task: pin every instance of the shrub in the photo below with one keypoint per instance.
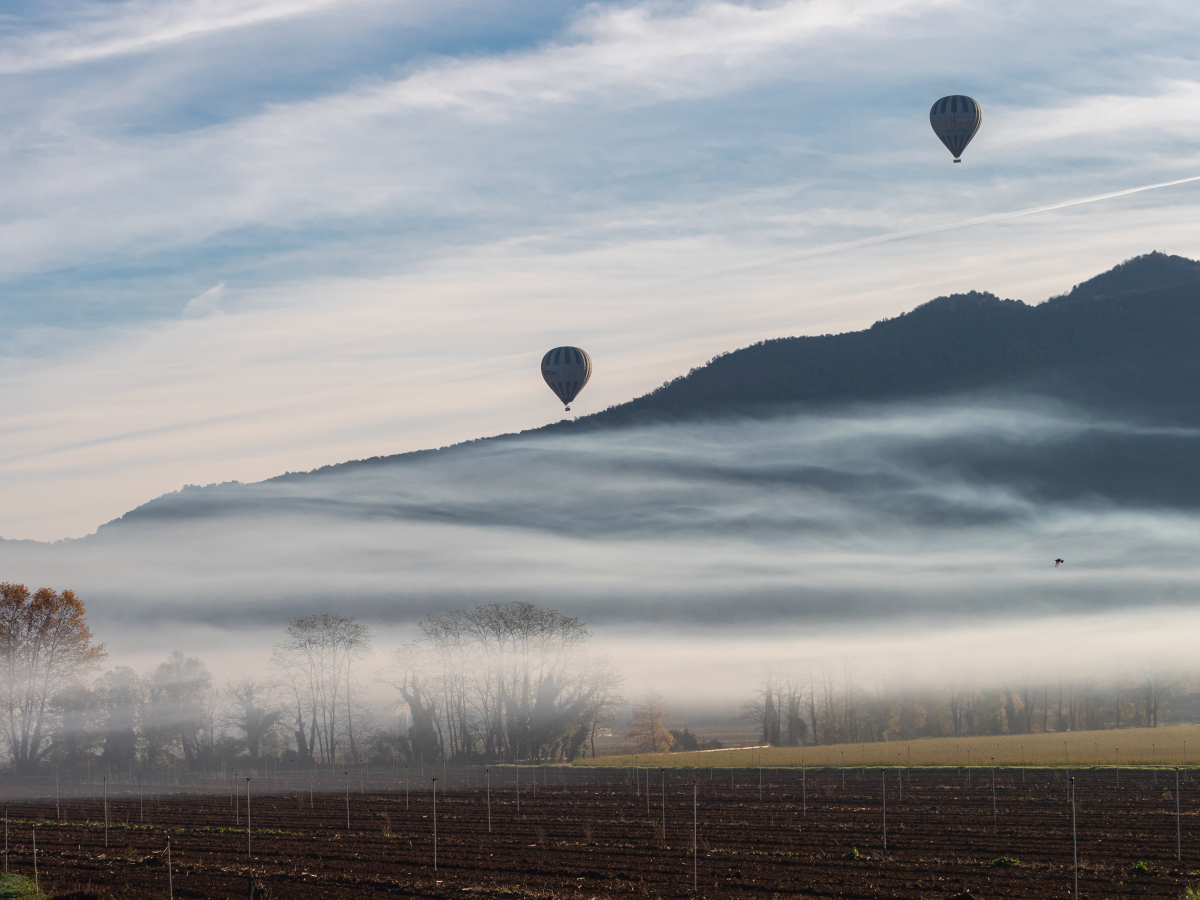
x,y
684,740
1005,862
16,887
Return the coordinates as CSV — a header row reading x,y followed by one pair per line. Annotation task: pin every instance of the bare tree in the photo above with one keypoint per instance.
x,y
608,701
1156,687
121,694
180,688
315,663
81,727
511,678
778,708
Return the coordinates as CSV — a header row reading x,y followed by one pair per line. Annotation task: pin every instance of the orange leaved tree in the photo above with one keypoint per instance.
x,y
648,724
45,647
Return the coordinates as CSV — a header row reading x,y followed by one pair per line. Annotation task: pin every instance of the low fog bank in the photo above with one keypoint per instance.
x,y
951,513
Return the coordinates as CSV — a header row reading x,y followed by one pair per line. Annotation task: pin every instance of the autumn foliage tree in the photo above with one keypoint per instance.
x,y
648,724
45,648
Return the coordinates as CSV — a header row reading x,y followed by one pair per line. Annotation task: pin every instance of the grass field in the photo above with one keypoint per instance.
x,y
1177,745
17,887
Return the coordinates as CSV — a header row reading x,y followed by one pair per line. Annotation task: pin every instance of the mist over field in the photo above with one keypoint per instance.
x,y
694,549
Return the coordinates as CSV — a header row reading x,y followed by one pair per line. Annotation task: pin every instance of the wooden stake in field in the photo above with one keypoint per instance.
x,y
1074,839
435,826
1022,764
6,840
37,891
1178,831
105,812
804,788
1118,758
843,770
518,765
248,856
141,806
236,796
694,835
995,821
488,772
310,787
406,787
170,878
1153,764
883,775
663,773
348,800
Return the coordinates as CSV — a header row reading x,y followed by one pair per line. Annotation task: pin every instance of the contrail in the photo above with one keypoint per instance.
x,y
937,229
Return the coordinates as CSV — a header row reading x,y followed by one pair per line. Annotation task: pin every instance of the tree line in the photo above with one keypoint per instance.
x,y
799,703
500,682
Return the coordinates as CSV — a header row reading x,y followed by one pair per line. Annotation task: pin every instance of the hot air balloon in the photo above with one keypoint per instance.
x,y
955,120
566,370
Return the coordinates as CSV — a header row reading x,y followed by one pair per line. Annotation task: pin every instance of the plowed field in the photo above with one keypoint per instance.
x,y
590,835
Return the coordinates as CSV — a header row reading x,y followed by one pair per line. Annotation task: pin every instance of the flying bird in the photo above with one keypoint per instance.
x,y
1058,562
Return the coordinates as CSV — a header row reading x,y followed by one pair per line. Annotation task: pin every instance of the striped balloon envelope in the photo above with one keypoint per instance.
x,y
955,120
566,370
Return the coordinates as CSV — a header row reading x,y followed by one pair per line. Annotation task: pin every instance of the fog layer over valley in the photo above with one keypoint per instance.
x,y
902,491
951,512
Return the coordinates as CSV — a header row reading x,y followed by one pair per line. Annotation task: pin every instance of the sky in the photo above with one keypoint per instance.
x,y
244,238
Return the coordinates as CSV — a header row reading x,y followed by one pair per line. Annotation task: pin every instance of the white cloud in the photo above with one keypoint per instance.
x,y
101,31
206,304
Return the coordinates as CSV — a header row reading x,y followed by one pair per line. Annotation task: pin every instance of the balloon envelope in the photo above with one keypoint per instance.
x,y
566,370
955,119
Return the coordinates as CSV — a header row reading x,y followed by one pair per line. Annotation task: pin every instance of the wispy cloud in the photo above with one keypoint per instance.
x,y
99,31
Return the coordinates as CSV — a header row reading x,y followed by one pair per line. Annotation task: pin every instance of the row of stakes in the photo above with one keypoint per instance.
x,y
695,813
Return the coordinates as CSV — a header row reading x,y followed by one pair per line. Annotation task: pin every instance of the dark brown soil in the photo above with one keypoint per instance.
x,y
592,837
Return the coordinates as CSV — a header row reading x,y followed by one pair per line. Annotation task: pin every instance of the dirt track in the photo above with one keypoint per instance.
x,y
592,837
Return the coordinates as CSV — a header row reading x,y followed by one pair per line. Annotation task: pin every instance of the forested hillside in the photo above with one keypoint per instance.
x,y
1125,341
